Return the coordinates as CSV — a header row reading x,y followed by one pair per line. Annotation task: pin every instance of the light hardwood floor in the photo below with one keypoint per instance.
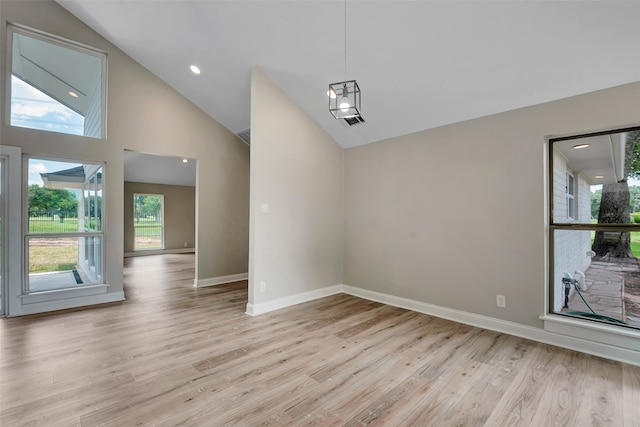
x,y
175,355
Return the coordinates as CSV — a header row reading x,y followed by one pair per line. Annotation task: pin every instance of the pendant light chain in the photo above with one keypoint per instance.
x,y
345,40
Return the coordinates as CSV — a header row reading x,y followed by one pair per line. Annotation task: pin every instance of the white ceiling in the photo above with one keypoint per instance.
x,y
419,64
150,168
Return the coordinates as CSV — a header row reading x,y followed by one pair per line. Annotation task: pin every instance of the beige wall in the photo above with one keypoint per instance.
x,y
296,168
455,215
450,216
179,214
146,115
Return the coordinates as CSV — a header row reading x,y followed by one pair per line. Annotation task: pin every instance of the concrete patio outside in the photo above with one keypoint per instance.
x,y
605,291
51,280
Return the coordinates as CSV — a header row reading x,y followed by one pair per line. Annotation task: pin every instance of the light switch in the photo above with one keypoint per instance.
x,y
264,208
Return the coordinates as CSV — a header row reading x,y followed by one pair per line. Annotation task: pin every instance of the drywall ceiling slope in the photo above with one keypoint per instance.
x,y
420,64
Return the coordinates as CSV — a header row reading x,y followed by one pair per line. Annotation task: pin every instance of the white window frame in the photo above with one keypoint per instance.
x,y
63,42
616,342
12,235
571,196
89,289
4,162
142,226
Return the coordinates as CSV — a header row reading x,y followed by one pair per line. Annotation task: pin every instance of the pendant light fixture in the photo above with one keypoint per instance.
x,y
344,97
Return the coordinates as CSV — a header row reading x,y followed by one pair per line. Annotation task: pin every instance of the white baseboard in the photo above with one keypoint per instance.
x,y
160,252
221,280
621,354
265,307
43,307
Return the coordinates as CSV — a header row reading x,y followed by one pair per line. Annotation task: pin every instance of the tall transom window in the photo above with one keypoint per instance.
x,y
56,85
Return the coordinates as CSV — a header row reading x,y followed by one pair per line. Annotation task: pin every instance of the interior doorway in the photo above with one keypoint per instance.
x,y
159,204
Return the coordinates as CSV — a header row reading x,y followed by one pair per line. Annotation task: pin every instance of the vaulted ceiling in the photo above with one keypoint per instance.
x,y
420,64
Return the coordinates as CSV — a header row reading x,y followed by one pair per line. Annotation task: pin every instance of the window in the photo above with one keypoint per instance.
x,y
595,227
65,234
148,221
571,208
56,85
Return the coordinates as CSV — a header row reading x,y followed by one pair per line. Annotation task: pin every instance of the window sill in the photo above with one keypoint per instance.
x,y
592,331
58,294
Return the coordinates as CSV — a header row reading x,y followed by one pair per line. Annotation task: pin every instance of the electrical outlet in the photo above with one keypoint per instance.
x,y
501,301
263,286
185,244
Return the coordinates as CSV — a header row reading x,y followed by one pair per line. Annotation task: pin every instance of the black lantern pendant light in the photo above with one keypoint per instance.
x,y
344,97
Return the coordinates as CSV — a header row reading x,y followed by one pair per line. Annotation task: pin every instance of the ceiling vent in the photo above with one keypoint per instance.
x,y
245,135
350,121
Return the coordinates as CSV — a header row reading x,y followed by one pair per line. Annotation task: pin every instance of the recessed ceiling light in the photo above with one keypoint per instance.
x,y
599,176
72,93
579,146
184,160
195,70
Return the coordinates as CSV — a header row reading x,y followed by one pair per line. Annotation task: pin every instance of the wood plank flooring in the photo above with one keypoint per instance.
x,y
174,355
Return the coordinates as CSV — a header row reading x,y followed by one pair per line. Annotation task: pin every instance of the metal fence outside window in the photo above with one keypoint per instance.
x,y
54,220
148,231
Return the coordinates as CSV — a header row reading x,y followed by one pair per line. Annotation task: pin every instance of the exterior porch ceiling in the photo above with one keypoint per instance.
x,y
601,155
68,178
56,70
